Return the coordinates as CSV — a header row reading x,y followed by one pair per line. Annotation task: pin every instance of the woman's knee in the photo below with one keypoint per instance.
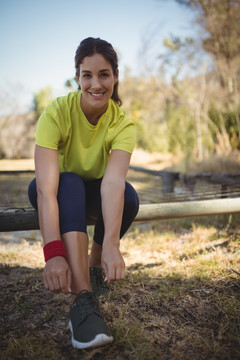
x,y
70,181
131,200
32,193
71,186
71,189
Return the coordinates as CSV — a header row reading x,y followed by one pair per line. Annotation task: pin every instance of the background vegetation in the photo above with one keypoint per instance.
x,y
180,299
185,101
195,111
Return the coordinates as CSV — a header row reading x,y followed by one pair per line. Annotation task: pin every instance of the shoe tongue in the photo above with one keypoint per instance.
x,y
87,300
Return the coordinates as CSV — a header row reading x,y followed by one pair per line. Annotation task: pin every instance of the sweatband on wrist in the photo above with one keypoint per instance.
x,y
54,248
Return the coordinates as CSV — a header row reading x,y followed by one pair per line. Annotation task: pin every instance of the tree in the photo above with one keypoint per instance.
x,y
220,20
146,108
71,84
41,100
212,97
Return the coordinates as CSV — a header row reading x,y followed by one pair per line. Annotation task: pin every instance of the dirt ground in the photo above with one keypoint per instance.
x,y
180,298
140,157
157,161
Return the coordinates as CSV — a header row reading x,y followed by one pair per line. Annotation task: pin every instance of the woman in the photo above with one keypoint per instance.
x,y
84,143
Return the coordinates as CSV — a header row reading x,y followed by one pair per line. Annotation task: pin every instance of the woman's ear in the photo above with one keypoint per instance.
x,y
116,77
77,78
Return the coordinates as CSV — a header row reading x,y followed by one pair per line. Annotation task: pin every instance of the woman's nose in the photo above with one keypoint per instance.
x,y
95,83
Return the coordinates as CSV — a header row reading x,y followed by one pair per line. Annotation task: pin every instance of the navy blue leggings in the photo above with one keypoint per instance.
x,y
79,200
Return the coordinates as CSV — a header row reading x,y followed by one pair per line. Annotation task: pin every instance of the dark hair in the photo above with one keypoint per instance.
x,y
91,46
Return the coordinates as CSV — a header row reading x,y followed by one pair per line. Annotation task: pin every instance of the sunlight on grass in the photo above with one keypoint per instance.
x,y
21,252
199,251
179,300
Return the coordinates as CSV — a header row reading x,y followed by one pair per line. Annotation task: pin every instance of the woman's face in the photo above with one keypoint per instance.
x,y
97,81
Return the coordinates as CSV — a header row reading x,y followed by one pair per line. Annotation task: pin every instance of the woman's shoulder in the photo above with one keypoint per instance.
x,y
67,101
59,110
118,114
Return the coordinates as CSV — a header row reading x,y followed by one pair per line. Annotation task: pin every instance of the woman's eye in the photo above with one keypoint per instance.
x,y
104,75
86,76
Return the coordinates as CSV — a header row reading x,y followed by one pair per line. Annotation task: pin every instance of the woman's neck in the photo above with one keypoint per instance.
x,y
93,115
93,119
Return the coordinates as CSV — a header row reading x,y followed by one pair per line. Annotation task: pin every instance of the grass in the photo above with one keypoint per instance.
x,y
180,298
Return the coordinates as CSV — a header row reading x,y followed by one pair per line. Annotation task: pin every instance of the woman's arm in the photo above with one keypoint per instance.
x,y
47,177
56,274
112,193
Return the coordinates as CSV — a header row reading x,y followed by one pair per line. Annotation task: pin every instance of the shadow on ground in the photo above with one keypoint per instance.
x,y
150,317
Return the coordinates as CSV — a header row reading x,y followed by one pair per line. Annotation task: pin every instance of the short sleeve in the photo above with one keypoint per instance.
x,y
48,132
125,139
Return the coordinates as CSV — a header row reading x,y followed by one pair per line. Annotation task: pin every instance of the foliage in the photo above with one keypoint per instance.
x,y
220,22
197,112
144,104
229,120
71,84
17,136
190,104
41,99
181,131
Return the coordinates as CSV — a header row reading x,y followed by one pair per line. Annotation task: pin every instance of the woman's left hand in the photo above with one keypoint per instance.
x,y
112,263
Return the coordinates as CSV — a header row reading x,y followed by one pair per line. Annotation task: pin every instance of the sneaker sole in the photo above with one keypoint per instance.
x,y
99,340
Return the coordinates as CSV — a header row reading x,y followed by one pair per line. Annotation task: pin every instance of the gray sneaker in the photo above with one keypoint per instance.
x,y
98,285
86,322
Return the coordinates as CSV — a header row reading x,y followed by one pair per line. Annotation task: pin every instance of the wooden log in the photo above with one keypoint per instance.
x,y
28,220
18,220
16,172
150,212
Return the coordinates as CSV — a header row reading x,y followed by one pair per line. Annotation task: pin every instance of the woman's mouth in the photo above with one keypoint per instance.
x,y
96,94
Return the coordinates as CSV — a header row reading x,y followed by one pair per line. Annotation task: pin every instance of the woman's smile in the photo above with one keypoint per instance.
x,y
96,94
96,80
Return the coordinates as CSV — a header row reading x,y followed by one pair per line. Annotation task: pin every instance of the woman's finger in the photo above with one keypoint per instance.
x,y
120,272
69,280
55,284
105,270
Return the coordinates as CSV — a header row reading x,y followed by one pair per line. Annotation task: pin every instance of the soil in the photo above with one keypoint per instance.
x,y
162,311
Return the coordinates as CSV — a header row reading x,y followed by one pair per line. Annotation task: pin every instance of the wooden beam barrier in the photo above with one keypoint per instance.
x,y
28,220
174,210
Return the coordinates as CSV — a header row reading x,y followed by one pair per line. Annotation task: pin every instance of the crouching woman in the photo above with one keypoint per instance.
x,y
84,143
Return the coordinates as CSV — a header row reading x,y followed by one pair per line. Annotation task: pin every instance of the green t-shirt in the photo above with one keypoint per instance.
x,y
84,148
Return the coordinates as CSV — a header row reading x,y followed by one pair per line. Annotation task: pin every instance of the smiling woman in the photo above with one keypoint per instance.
x,y
84,143
97,82
90,47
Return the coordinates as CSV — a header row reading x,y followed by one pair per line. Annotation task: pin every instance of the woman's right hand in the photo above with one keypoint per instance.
x,y
57,275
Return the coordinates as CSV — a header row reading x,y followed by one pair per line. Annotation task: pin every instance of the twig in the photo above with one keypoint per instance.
x,y
236,272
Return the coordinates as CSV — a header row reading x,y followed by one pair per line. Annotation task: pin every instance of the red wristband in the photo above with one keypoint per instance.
x,y
54,248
